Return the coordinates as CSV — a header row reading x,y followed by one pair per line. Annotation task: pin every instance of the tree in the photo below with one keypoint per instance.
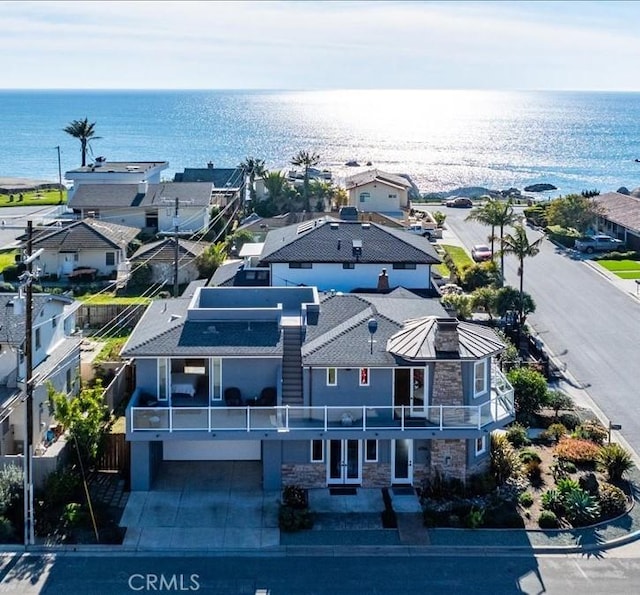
x,y
84,132
529,391
84,417
508,298
573,211
307,160
485,298
518,245
211,259
239,238
558,399
275,183
254,168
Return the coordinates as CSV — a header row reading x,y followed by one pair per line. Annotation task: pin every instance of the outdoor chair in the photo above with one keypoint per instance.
x,y
268,397
233,397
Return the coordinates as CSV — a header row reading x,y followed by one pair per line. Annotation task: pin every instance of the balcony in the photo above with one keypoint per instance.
x,y
295,420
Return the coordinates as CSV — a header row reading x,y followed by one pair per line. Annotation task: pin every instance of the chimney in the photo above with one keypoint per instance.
x,y
383,281
210,165
446,339
143,187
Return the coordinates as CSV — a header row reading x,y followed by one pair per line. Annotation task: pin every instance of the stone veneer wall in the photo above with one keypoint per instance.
x,y
447,384
376,475
456,452
305,476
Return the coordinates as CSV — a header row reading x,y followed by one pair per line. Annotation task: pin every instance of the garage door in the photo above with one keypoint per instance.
x,y
221,450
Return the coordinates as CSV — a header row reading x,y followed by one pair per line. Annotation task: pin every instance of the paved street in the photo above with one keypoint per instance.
x,y
586,321
13,221
340,573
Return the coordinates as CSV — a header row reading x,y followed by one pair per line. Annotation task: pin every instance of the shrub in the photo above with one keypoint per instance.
x,y
7,287
556,431
591,430
613,501
528,455
548,520
294,519
475,518
533,471
63,486
478,275
577,451
480,484
569,420
517,435
525,499
530,392
580,508
614,460
565,486
557,399
7,533
505,462
568,466
295,497
460,303
11,494
552,500
73,515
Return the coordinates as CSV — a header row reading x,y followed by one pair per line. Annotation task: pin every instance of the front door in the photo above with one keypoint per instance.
x,y
402,461
344,464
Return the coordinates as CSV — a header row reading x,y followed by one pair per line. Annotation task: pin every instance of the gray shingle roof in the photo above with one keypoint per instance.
x,y
416,340
104,196
372,175
621,209
88,234
330,240
164,250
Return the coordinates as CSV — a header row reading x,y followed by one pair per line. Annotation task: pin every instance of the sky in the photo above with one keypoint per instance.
x,y
320,45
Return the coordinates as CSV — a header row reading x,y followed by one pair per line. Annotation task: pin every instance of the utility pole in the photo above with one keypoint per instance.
x,y
59,174
175,234
26,278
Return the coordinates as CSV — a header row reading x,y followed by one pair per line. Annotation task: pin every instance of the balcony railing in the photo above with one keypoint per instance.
x,y
324,418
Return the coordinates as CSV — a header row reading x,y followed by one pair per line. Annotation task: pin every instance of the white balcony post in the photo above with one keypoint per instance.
x,y
326,418
171,419
479,414
209,413
402,417
441,417
364,418
248,419
286,418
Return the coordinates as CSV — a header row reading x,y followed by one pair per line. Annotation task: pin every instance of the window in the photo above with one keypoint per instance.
x,y
481,445
54,321
480,378
404,265
151,218
75,257
68,381
110,259
195,366
393,196
371,451
332,377
38,339
364,376
317,451
365,196
300,265
348,265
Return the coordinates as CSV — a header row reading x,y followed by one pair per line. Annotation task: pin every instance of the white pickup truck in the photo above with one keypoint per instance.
x,y
598,243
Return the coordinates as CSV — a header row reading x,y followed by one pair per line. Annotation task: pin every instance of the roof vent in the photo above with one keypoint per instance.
x,y
366,225
334,225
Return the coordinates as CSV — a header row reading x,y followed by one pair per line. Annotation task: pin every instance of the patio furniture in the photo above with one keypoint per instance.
x,y
233,397
268,397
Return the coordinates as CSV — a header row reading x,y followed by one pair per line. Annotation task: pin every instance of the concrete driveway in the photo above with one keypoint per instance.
x,y
203,506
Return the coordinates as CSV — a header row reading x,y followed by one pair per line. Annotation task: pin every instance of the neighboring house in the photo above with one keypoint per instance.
x,y
620,217
93,244
161,257
148,206
228,182
347,255
378,191
368,390
115,172
56,359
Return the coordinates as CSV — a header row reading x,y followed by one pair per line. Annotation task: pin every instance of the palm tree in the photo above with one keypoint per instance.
x,y
518,244
254,168
275,183
307,160
83,131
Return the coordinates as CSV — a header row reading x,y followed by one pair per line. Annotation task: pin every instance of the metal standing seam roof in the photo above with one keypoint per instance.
x,y
330,240
416,340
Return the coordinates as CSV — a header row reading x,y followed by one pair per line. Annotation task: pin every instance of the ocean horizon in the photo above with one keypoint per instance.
x,y
442,139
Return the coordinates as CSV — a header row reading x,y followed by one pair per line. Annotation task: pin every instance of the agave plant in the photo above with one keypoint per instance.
x,y
551,500
615,461
581,508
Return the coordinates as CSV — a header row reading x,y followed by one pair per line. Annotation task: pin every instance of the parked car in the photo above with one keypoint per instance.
x,y
459,202
598,243
481,253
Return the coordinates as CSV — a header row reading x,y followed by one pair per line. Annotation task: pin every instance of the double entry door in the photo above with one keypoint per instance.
x,y
344,463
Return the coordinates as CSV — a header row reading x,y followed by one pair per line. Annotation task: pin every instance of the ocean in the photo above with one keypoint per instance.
x,y
442,139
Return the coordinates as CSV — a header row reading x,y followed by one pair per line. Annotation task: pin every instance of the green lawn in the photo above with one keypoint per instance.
x,y
108,298
33,199
459,256
625,269
7,258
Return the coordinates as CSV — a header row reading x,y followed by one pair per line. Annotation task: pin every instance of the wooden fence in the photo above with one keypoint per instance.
x,y
113,316
116,454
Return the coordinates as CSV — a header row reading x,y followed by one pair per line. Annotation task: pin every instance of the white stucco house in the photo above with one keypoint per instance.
x,y
378,191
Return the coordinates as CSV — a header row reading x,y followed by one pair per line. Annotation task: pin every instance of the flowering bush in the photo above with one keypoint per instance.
x,y
576,450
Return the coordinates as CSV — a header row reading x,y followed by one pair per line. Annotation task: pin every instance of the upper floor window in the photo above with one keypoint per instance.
x,y
364,376
332,376
348,265
110,258
480,378
300,265
38,339
365,196
404,265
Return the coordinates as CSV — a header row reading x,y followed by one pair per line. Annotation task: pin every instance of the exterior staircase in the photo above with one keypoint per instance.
x,y
292,366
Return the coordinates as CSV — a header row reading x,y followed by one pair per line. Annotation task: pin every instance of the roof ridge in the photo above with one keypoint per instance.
x,y
337,331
